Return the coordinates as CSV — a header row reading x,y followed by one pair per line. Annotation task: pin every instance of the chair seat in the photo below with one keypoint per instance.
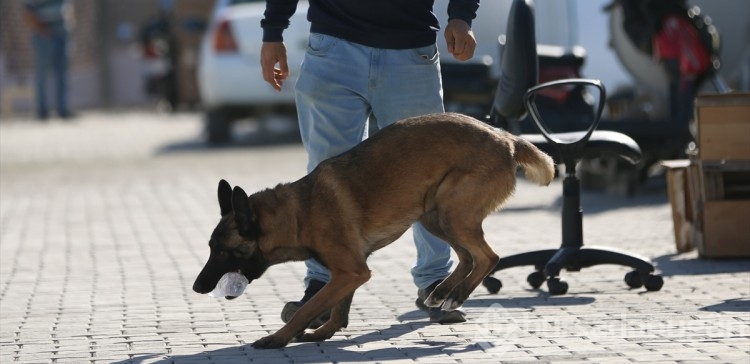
x,y
602,143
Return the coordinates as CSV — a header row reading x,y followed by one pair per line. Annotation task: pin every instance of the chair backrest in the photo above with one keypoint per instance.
x,y
519,62
518,83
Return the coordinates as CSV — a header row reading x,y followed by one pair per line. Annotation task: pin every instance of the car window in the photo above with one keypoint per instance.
x,y
235,2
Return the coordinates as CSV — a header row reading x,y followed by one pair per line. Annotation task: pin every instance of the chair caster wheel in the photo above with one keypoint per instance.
x,y
556,286
633,279
654,283
492,284
536,279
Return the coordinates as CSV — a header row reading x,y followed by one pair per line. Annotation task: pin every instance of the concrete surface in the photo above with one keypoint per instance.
x,y
105,222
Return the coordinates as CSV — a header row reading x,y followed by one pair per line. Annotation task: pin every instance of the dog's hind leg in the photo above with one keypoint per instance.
x,y
485,260
339,319
463,200
454,280
464,267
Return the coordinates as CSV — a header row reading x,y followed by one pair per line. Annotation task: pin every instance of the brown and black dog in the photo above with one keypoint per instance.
x,y
447,171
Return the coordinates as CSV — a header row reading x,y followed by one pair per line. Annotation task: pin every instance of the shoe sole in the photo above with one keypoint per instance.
x,y
448,317
440,316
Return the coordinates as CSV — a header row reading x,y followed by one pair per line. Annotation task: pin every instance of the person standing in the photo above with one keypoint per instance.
x,y
373,60
47,20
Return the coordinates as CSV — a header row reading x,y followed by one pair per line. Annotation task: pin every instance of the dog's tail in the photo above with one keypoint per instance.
x,y
538,166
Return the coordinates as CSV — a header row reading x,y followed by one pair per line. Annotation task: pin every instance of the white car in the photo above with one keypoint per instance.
x,y
229,73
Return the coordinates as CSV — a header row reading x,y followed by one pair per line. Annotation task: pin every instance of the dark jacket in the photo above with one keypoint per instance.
x,y
388,24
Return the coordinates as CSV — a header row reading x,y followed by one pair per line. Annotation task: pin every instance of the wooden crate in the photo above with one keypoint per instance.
x,y
726,230
724,200
723,126
722,175
710,207
682,199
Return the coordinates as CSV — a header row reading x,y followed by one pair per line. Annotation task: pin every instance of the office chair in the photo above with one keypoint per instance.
x,y
517,93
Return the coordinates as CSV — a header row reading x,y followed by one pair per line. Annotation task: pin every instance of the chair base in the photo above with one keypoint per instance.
x,y
549,263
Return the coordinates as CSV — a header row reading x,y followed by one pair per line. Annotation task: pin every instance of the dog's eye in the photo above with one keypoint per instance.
x,y
222,254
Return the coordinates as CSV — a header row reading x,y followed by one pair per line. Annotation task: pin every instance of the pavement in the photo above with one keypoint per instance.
x,y
105,222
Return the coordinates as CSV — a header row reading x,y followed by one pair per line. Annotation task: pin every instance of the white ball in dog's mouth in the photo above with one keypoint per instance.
x,y
231,284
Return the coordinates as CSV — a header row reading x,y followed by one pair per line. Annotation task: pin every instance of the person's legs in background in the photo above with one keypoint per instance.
x,y
42,54
59,54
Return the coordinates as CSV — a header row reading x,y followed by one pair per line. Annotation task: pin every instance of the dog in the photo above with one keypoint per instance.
x,y
447,171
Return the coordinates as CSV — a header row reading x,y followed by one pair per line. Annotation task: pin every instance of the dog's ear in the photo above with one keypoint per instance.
x,y
225,197
247,222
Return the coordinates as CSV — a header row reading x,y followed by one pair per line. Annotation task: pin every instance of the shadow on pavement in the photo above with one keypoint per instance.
x,y
730,305
671,265
543,299
333,350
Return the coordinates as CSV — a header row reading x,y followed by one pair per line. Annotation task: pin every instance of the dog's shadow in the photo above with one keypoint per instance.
x,y
343,347
351,347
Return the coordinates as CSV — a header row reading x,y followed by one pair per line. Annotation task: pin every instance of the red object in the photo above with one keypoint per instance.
x,y
679,40
224,40
553,73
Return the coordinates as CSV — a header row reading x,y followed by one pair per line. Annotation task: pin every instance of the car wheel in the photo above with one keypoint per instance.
x,y
218,127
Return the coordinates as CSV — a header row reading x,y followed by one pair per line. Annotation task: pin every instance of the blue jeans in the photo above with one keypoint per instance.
x,y
51,53
341,85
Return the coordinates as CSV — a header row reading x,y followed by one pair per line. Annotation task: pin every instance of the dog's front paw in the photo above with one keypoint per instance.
x,y
270,342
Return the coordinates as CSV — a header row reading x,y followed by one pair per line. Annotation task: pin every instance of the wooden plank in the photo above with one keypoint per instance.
x,y
713,186
724,140
723,126
679,200
726,231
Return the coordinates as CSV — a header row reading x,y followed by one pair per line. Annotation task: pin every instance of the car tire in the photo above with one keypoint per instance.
x,y
218,127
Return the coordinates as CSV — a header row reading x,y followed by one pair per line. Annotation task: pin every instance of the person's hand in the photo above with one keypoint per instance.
x,y
271,54
460,39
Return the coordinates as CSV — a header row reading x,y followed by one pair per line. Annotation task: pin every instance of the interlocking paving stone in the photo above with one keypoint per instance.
x,y
105,222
